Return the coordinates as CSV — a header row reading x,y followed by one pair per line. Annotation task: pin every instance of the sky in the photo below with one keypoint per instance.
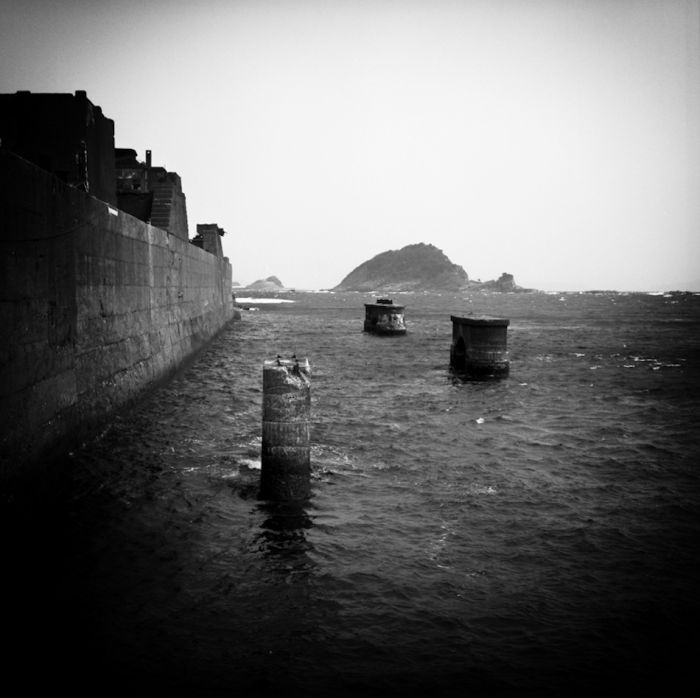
x,y
555,140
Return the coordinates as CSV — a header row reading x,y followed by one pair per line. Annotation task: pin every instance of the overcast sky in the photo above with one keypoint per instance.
x,y
557,140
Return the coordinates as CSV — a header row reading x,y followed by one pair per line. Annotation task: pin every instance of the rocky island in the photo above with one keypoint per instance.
x,y
269,285
418,267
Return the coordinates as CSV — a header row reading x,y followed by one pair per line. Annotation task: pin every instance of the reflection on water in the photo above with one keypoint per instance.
x,y
283,531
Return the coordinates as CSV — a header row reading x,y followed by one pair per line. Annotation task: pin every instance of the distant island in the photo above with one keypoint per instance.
x,y
418,267
270,284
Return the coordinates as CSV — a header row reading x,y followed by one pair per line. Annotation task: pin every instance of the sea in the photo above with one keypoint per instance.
x,y
533,535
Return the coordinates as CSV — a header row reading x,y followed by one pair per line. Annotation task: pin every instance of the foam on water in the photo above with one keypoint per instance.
x,y
264,301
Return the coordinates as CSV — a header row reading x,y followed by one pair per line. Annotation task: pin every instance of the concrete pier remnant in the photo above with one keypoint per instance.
x,y
479,346
286,454
383,317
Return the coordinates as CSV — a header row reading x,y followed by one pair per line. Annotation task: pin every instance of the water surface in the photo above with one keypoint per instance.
x,y
537,535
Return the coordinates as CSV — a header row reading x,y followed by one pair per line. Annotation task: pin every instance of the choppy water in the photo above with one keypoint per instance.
x,y
538,535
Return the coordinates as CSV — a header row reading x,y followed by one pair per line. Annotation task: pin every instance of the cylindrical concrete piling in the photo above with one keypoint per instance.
x,y
383,317
286,453
480,346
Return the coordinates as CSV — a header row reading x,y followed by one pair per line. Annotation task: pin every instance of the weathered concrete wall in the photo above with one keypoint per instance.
x,y
95,306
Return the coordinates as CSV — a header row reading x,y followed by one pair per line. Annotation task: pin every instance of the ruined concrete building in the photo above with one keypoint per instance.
x,y
69,137
63,134
208,237
151,194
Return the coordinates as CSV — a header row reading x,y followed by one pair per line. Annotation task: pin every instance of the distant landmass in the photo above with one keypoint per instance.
x,y
419,267
271,283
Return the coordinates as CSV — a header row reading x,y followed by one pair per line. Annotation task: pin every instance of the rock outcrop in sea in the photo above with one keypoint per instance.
x,y
505,283
419,267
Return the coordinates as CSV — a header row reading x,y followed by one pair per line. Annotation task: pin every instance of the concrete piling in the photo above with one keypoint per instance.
x,y
480,346
383,317
286,453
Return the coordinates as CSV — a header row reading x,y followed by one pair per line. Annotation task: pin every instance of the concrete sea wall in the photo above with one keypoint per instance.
x,y
95,307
